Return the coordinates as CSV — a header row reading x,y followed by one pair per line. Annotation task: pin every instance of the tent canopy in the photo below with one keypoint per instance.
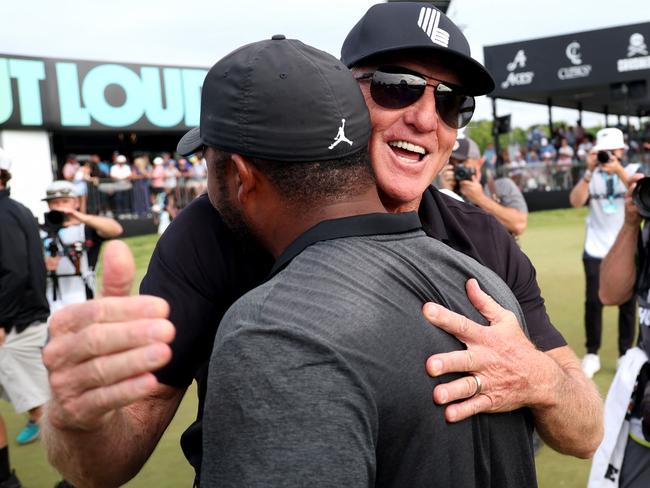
x,y
605,70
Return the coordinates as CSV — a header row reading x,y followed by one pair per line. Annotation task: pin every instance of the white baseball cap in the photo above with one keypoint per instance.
x,y
5,160
609,139
158,160
120,159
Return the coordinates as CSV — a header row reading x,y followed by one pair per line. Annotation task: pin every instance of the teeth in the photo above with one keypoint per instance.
x,y
408,146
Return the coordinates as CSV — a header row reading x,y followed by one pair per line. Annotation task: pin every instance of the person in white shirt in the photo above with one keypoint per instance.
x,y
121,174
603,186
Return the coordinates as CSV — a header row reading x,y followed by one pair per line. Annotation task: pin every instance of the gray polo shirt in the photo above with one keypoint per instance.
x,y
317,376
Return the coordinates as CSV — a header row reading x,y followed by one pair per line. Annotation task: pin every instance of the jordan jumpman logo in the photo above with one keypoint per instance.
x,y
340,136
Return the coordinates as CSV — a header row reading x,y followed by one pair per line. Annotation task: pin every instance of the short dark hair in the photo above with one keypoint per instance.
x,y
313,182
5,176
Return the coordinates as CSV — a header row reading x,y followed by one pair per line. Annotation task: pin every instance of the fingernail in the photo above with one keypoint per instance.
x,y
435,366
451,414
430,310
443,395
158,330
142,383
153,354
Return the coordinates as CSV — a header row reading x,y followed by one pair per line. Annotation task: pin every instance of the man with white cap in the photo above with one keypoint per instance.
x,y
603,186
72,240
23,314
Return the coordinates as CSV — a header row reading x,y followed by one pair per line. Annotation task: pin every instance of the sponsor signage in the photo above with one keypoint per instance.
x,y
584,59
86,95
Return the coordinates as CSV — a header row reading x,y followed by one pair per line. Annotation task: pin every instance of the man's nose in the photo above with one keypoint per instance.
x,y
422,114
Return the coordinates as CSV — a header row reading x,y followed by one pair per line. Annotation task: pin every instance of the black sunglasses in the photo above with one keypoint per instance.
x,y
395,87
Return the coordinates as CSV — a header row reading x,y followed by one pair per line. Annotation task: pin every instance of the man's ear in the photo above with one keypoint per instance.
x,y
245,177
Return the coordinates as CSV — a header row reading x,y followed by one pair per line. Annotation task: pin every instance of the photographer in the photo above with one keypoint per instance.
x,y
603,185
499,197
72,240
625,450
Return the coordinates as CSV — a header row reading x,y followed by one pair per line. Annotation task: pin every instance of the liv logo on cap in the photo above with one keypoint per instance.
x,y
428,21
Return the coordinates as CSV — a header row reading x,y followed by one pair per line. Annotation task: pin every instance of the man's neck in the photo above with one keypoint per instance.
x,y
296,221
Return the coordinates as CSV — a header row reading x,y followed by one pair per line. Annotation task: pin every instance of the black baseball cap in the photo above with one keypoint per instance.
x,y
399,26
281,100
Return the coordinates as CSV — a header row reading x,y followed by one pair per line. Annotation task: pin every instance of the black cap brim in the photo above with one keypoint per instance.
x,y
190,143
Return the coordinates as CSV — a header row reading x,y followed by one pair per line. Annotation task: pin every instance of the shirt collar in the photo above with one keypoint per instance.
x,y
430,208
4,193
358,225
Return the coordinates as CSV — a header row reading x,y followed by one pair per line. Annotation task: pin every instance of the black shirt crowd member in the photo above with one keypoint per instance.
x,y
327,355
22,272
201,269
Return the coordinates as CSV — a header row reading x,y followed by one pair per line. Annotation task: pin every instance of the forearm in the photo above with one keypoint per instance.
x,y
512,219
569,412
618,269
580,193
105,227
112,454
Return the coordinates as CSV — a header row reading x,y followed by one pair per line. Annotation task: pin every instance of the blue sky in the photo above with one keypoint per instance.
x,y
199,32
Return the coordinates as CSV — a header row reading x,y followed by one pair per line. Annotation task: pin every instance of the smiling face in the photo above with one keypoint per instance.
x,y
408,146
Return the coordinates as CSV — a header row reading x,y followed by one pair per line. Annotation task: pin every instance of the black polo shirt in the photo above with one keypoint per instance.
x,y
317,376
201,269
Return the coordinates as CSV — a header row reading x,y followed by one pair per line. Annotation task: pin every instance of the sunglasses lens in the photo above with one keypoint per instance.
x,y
396,90
399,90
455,109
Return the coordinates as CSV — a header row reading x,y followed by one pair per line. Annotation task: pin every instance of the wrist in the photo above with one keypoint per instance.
x,y
547,384
587,175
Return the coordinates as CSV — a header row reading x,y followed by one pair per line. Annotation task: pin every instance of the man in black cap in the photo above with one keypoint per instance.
x,y
405,158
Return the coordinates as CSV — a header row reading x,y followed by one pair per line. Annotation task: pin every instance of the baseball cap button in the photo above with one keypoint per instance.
x,y
278,37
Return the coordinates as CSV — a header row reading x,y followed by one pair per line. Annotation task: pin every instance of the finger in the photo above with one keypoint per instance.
x,y
112,309
108,370
102,339
459,389
460,411
452,362
483,302
92,405
459,326
118,269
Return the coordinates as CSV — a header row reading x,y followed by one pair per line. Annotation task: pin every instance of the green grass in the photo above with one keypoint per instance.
x,y
553,241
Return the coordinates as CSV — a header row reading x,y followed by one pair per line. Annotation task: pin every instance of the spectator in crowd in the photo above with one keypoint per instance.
x,y
547,150
121,176
158,184
197,183
603,187
72,246
564,162
623,458
409,146
172,174
23,314
499,197
70,167
490,157
141,178
80,180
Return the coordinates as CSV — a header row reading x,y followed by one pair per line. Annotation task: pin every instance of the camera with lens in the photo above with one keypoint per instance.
x,y
604,157
641,197
54,220
464,173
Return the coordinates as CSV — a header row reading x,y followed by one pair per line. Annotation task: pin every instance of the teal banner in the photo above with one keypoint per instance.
x,y
86,95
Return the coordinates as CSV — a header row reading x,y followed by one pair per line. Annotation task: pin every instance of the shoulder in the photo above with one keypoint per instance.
x,y
506,184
